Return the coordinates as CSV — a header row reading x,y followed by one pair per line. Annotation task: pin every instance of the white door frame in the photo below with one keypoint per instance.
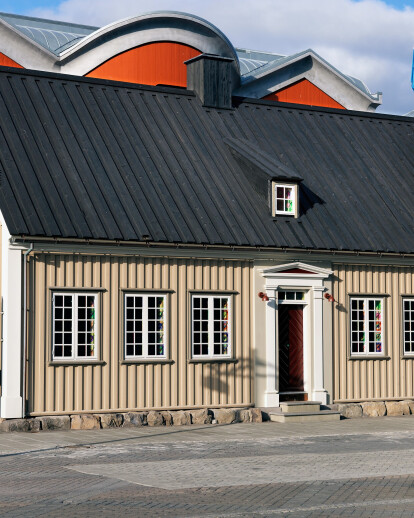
x,y
277,279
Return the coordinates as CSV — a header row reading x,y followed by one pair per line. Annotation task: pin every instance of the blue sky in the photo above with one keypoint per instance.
x,y
373,41
28,6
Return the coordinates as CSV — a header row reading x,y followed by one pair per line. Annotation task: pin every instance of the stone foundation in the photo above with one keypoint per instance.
x,y
375,408
133,419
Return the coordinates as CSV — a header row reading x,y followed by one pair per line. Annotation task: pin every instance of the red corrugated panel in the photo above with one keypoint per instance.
x,y
7,62
303,92
151,64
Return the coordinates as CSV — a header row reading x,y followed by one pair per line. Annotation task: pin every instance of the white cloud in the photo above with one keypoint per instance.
x,y
367,38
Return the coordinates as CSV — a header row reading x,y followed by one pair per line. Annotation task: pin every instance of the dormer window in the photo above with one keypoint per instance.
x,y
285,199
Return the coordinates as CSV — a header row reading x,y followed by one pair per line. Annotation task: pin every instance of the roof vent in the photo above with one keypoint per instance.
x,y
211,78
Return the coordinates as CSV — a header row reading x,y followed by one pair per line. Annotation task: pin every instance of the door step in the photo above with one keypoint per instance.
x,y
293,396
289,407
308,417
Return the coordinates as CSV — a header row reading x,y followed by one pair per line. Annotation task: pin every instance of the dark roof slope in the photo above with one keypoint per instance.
x,y
87,158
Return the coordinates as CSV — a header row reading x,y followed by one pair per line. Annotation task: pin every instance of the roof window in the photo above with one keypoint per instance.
x,y
285,199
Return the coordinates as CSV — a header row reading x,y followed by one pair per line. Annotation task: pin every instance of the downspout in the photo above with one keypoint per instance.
x,y
30,249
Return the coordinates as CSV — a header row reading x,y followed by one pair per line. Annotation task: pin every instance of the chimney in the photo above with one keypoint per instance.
x,y
213,79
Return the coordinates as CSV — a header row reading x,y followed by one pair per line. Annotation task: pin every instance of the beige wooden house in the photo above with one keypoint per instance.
x,y
167,248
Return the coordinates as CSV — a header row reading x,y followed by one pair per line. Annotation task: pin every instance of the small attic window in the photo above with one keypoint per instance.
x,y
285,199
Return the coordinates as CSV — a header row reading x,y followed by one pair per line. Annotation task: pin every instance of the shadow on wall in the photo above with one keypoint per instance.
x,y
223,381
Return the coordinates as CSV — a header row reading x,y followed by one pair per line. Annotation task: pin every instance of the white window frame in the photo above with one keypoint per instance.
x,y
294,188
366,330
75,296
145,296
411,325
210,298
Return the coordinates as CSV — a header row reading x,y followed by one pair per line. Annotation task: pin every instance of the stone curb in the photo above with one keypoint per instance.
x,y
374,408
133,419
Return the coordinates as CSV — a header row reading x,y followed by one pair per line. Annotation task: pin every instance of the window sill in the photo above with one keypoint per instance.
x,y
407,357
59,363
144,361
212,360
366,357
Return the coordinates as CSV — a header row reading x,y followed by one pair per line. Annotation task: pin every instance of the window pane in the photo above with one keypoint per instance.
x,y
367,319
62,326
408,325
133,322
86,326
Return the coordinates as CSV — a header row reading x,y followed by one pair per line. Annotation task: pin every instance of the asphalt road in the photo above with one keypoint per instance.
x,y
361,467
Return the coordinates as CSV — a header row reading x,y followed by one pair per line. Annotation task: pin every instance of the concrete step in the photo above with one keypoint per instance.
x,y
289,407
305,417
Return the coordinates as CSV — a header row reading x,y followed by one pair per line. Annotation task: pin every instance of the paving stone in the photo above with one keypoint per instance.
x,y
61,422
395,408
181,418
111,420
373,409
85,422
350,410
135,419
200,416
155,418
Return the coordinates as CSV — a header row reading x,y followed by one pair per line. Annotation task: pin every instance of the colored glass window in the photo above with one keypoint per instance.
x,y
145,332
285,199
74,326
367,326
408,325
211,326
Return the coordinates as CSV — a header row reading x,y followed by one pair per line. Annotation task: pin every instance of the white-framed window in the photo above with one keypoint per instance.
x,y
367,326
285,199
211,326
408,325
291,296
145,325
74,326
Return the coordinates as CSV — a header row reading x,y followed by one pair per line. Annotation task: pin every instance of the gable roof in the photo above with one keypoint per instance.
x,y
95,159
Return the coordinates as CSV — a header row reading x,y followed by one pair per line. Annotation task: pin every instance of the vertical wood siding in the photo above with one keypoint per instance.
x,y
303,92
372,379
114,385
151,64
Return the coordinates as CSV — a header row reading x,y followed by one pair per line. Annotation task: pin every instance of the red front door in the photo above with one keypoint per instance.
x,y
290,348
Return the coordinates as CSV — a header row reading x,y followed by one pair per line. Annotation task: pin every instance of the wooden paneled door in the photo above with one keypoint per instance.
x,y
290,348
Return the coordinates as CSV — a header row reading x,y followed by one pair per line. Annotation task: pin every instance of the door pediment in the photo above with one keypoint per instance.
x,y
296,269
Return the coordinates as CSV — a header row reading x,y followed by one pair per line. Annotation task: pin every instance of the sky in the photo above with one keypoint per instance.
x,y
372,40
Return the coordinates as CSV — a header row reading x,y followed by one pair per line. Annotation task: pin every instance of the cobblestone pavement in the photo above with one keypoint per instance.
x,y
360,467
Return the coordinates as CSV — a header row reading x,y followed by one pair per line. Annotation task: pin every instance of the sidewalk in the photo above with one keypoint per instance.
x,y
359,467
15,443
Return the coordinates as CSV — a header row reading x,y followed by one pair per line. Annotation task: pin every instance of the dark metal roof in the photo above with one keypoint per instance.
x,y
85,158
